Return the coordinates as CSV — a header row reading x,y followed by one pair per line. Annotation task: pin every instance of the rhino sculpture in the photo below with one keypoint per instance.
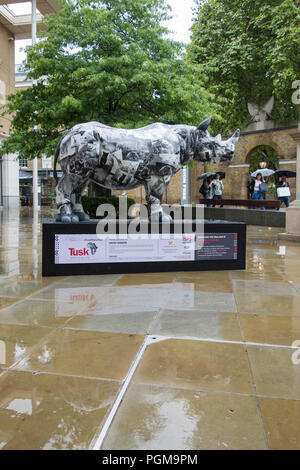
x,y
127,158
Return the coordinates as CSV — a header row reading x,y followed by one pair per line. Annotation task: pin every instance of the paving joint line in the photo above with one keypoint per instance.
x,y
257,401
26,296
98,439
60,374
37,345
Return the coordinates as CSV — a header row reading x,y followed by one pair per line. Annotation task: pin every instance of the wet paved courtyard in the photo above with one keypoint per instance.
x,y
199,360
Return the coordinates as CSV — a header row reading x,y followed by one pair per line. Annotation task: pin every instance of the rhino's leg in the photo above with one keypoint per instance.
x,y
76,202
64,191
155,189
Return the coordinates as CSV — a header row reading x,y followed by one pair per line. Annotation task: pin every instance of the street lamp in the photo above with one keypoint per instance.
x,y
263,163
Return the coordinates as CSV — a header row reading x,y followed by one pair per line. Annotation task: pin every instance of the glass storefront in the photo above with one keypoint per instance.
x,y
46,184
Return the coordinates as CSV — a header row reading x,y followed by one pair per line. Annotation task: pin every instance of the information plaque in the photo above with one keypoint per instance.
x,y
217,246
70,249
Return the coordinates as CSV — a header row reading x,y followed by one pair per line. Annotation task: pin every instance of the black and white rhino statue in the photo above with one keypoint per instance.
x,y
128,158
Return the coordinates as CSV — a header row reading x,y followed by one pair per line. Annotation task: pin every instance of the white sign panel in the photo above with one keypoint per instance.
x,y
77,249
74,249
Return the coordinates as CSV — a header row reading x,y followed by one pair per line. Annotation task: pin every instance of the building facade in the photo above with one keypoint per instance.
x,y
13,27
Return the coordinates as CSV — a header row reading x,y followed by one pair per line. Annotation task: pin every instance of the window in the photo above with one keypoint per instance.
x,y
23,163
46,162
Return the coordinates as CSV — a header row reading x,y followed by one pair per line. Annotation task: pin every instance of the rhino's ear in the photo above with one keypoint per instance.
x,y
204,125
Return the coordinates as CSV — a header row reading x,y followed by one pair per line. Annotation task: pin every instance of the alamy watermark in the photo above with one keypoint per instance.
x,y
174,219
296,354
296,94
2,352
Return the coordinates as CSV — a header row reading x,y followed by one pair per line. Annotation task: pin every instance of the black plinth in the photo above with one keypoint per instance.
x,y
74,249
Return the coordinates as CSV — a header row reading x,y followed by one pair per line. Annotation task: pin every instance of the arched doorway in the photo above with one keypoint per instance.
x,y
263,152
264,156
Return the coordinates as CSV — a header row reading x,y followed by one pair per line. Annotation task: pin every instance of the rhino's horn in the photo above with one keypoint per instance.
x,y
235,136
204,125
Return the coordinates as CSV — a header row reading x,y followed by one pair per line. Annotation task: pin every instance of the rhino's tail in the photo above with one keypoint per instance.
x,y
56,155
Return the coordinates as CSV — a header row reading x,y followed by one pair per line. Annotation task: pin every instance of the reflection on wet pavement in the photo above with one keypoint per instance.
x,y
197,365
19,340
51,411
172,418
217,373
84,353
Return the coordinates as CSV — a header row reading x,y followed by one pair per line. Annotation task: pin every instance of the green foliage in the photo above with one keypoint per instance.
x,y
208,167
249,50
107,61
267,153
90,204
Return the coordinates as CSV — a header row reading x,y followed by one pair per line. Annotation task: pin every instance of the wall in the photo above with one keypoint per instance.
x,y
10,164
10,181
7,72
238,170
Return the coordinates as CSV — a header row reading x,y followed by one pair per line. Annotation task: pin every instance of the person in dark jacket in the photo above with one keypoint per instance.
x,y
250,188
283,183
207,189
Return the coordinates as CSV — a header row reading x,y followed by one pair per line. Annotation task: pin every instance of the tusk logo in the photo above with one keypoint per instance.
x,y
93,247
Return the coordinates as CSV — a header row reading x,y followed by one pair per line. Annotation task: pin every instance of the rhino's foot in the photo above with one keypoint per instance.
x,y
82,216
68,219
65,219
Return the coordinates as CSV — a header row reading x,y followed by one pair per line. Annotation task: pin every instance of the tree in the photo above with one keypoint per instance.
x,y
249,50
107,61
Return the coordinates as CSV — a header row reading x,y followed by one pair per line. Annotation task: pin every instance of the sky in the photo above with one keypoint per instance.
x,y
182,19
179,24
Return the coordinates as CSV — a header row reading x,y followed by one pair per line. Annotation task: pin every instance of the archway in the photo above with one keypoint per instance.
x,y
263,156
263,152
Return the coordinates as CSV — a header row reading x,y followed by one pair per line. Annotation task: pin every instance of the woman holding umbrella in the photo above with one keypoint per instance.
x,y
207,189
260,187
257,193
218,187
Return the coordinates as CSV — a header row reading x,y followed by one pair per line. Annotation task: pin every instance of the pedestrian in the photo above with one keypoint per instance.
x,y
218,187
257,193
283,191
206,189
250,188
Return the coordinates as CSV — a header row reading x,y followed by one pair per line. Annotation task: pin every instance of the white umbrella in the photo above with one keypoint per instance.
x,y
264,172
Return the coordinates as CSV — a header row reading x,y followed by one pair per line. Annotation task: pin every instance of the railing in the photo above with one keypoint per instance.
x,y
241,203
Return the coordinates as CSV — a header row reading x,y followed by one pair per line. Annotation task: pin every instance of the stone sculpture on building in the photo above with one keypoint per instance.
x,y
259,114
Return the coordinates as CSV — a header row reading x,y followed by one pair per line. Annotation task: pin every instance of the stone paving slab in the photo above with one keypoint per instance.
x,y
161,360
